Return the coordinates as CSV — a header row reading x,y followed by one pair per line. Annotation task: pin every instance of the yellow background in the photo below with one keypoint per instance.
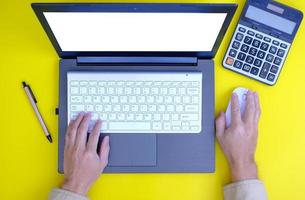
x,y
28,163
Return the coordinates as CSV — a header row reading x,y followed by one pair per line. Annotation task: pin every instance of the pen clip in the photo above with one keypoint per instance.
x,y
32,94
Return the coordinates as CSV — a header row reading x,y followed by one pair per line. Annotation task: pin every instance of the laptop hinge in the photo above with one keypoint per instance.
x,y
137,60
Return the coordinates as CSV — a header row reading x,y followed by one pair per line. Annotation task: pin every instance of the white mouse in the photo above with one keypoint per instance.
x,y
241,93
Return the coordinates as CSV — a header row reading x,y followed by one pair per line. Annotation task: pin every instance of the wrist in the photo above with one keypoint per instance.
x,y
75,186
243,171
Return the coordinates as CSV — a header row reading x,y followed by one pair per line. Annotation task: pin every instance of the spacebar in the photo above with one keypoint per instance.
x,y
129,126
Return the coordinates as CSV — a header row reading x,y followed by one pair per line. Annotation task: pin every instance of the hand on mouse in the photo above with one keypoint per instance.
x,y
82,164
238,141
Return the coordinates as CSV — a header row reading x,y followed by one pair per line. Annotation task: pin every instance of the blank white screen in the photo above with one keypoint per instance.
x,y
99,31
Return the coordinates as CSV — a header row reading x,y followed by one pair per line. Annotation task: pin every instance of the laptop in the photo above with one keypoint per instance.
x,y
146,71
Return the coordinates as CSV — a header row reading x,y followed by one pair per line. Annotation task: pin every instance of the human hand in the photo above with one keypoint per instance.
x,y
82,164
238,141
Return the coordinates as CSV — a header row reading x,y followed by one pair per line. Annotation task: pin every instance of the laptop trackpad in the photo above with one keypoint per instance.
x,y
133,150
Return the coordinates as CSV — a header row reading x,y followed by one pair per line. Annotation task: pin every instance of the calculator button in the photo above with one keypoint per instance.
x,y
259,36
237,64
264,46
275,42
232,53
246,68
248,40
273,49
269,58
239,36
274,69
250,33
229,61
241,29
253,51
284,46
271,77
256,43
241,56
249,59
261,54
267,39
277,61
254,71
244,48
265,70
258,63
236,45
281,53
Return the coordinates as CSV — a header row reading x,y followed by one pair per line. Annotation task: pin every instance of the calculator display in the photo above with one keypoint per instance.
x,y
270,19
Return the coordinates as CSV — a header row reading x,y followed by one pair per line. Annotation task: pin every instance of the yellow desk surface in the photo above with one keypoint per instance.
x,y
28,163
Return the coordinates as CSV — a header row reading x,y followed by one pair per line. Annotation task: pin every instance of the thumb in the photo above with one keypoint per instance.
x,y
220,125
104,151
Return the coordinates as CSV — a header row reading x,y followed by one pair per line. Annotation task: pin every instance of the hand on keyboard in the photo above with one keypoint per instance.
x,y
82,164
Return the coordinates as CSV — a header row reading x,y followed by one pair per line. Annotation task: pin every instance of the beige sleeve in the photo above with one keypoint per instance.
x,y
245,190
60,194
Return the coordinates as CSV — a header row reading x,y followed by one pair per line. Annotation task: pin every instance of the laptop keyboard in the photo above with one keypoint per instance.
x,y
139,102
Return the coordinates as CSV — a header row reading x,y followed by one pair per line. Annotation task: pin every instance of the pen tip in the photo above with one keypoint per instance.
x,y
49,138
23,83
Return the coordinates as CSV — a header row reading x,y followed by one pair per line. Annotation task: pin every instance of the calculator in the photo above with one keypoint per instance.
x,y
262,39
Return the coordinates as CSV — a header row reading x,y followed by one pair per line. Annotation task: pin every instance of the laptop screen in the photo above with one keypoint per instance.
x,y
127,31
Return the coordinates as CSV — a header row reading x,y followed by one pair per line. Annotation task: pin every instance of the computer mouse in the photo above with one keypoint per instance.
x,y
241,93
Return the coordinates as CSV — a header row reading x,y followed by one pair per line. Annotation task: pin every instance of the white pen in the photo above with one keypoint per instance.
x,y
33,102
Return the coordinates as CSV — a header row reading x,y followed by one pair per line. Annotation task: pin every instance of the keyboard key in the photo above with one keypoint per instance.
x,y
258,62
249,59
274,69
239,37
264,46
254,70
251,33
241,29
78,108
244,48
232,53
261,54
284,46
189,117
271,77
229,61
269,58
277,61
74,90
264,70
259,36
246,68
273,49
256,43
275,42
236,45
238,64
241,56
129,126
281,53
253,51
248,40
76,99
267,39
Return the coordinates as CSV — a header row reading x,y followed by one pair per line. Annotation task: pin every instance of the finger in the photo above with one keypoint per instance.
x,y
257,106
220,125
104,151
250,108
72,129
235,110
82,131
94,136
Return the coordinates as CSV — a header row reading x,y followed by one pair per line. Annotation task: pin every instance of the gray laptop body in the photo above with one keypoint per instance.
x,y
145,153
